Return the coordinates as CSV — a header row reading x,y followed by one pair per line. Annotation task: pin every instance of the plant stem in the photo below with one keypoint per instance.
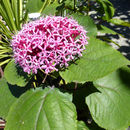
x,y
88,6
76,84
48,74
1,72
74,5
44,79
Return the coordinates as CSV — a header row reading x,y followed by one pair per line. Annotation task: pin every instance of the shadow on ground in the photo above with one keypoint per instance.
x,y
123,12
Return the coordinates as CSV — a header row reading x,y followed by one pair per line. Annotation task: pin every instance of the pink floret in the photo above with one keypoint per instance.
x,y
49,43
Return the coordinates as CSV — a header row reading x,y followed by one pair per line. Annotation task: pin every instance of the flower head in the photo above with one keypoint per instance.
x,y
48,43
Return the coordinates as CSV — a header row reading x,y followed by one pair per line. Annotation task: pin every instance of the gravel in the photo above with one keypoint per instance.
x,y
122,12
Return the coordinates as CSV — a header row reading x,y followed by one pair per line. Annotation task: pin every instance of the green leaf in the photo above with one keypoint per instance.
x,y
98,60
87,23
110,107
119,22
6,98
104,29
4,62
8,95
51,9
69,2
21,10
108,40
17,11
8,15
5,17
107,8
5,30
14,4
37,5
39,109
82,126
15,75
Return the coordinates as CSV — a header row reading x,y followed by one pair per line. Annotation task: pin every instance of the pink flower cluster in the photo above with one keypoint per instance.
x,y
48,43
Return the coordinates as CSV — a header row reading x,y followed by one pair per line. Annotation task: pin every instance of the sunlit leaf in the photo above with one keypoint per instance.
x,y
119,22
37,5
104,29
51,9
98,60
15,75
87,23
107,8
82,126
8,95
8,15
42,109
110,107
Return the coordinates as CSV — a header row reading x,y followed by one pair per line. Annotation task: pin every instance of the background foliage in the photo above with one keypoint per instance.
x,y
91,94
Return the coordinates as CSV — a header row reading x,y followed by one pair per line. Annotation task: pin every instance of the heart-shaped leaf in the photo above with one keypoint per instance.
x,y
8,95
87,23
98,60
82,126
15,74
42,109
110,108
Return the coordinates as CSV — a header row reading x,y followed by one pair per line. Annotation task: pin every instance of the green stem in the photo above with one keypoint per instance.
x,y
88,8
74,5
48,74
